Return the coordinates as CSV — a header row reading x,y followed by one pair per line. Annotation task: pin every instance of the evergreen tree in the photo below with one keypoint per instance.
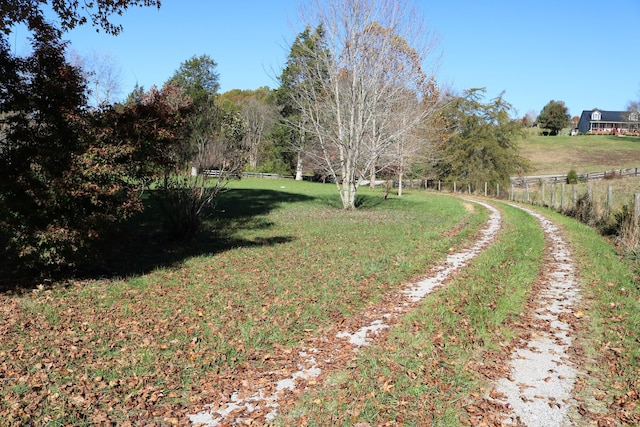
x,y
305,54
482,143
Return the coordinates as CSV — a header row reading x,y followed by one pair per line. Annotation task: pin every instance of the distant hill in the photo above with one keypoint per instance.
x,y
583,153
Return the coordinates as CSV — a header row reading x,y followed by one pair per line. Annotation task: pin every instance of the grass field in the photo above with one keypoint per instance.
x,y
280,262
170,327
584,153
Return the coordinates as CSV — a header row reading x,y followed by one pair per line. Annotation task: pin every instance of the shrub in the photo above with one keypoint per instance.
x,y
572,177
183,202
627,231
584,210
611,175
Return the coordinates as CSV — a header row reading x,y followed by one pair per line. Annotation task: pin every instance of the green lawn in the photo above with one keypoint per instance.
x,y
280,261
176,326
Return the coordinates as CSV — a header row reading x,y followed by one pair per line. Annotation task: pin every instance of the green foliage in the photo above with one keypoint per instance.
x,y
304,55
197,76
572,177
482,146
69,173
44,130
554,116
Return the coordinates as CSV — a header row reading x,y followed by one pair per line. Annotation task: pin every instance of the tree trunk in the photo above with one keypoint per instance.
x,y
400,175
299,167
348,194
372,176
348,187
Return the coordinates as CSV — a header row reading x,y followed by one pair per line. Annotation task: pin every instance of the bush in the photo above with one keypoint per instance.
x,y
611,174
183,202
572,177
628,233
584,210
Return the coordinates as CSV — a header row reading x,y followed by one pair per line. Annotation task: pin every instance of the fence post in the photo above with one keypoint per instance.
x,y
511,193
609,199
527,192
439,185
575,195
498,190
553,196
562,196
454,186
469,188
636,209
485,189
542,195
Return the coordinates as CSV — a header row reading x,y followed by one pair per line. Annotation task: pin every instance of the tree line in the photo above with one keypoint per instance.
x,y
356,103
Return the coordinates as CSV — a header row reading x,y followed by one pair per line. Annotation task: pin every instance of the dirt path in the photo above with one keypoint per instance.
x,y
536,390
262,393
541,377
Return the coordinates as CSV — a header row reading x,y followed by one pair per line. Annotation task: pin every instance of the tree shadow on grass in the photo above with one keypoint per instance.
x,y
362,201
140,245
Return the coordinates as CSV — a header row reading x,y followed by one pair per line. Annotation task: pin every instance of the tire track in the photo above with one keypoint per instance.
x,y
538,387
263,393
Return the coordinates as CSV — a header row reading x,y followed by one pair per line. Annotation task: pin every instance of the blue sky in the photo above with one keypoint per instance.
x,y
582,52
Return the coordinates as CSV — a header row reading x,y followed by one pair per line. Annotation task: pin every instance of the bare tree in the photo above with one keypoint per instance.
x,y
415,147
351,97
259,118
102,74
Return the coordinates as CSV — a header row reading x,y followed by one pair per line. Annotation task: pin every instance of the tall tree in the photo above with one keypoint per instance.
x,y
373,59
198,77
482,144
259,118
554,116
65,175
305,53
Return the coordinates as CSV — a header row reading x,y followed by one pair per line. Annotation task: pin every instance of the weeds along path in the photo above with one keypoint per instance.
x,y
538,387
263,393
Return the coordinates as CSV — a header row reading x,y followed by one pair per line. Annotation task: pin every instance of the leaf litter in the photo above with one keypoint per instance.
x,y
538,387
259,399
253,395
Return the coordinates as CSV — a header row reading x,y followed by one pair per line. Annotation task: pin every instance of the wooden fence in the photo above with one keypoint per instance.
x,y
215,173
582,177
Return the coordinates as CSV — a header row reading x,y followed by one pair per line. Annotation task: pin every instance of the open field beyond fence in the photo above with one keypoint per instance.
x,y
556,155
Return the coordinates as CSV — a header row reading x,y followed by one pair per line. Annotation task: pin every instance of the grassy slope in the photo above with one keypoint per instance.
x,y
584,153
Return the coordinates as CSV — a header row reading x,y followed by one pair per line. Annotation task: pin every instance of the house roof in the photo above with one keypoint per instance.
x,y
605,116
618,117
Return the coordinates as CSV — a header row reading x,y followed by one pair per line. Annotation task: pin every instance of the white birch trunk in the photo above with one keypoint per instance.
x,y
299,167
